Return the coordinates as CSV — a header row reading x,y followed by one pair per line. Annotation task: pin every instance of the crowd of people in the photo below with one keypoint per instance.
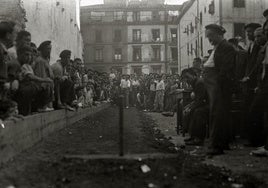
x,y
30,83
230,73
148,92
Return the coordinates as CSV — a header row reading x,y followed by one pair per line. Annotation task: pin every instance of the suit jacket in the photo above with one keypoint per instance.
x,y
224,59
201,96
252,66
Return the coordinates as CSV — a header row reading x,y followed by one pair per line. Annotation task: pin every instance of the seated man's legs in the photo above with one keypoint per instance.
x,y
26,94
199,120
67,92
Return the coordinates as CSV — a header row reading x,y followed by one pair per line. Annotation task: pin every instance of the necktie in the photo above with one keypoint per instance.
x,y
264,63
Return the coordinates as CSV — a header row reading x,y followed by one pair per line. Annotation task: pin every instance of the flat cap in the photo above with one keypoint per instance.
x,y
253,25
265,13
217,28
65,53
44,44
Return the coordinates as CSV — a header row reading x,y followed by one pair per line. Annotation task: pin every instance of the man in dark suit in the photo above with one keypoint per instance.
x,y
260,103
219,73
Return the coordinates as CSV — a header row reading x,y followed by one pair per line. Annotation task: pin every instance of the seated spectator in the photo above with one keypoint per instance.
x,y
64,86
7,30
32,88
196,113
23,38
41,65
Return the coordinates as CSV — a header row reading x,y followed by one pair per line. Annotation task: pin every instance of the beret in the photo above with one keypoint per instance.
x,y
65,53
252,25
43,45
217,28
265,13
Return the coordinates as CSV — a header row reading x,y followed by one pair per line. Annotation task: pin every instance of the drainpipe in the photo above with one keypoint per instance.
x,y
179,48
220,12
166,39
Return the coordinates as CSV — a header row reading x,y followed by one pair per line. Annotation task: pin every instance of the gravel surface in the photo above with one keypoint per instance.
x,y
44,165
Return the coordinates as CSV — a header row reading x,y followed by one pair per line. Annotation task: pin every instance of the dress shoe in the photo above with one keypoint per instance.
x,y
195,142
188,139
215,151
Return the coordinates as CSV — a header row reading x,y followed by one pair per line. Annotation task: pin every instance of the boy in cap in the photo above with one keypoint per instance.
x,y
32,88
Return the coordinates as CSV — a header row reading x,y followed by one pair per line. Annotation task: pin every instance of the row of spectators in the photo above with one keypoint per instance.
x,y
230,75
29,82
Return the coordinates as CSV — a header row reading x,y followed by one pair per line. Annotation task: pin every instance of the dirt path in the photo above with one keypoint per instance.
x,y
44,165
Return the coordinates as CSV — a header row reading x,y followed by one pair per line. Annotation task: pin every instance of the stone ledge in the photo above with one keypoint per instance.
x,y
19,136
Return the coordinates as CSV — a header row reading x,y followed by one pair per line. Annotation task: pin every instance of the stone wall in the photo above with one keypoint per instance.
x,y
54,20
17,137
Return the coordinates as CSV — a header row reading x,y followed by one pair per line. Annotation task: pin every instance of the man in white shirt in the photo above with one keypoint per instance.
x,y
159,96
125,86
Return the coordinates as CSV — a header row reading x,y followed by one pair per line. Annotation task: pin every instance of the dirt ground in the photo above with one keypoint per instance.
x,y
45,164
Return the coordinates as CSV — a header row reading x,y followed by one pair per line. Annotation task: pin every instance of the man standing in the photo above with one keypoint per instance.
x,y
159,95
125,86
260,102
218,77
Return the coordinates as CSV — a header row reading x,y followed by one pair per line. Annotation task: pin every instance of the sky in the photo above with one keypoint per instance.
x,y
93,2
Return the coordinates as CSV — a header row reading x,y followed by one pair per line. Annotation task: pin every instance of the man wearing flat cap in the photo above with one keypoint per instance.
x,y
265,14
64,87
218,78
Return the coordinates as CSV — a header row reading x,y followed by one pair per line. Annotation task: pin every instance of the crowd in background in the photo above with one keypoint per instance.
x,y
29,83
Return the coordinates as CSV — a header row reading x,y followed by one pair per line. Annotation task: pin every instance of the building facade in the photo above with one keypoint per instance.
x,y
233,15
57,21
131,36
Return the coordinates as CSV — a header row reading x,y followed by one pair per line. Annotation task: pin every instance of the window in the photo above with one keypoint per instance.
x,y
201,46
239,30
136,16
156,69
188,50
137,70
118,54
98,36
118,16
136,53
136,35
201,18
211,8
156,52
192,27
155,16
191,49
196,47
187,30
99,54
239,3
156,34
117,35
174,54
173,35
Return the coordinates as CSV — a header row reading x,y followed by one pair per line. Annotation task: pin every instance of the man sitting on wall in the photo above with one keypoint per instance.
x,y
32,88
64,87
196,112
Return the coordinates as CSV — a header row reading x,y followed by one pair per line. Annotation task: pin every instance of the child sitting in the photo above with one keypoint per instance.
x,y
32,88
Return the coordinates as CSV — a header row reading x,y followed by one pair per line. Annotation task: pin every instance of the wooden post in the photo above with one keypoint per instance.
x,y
121,126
